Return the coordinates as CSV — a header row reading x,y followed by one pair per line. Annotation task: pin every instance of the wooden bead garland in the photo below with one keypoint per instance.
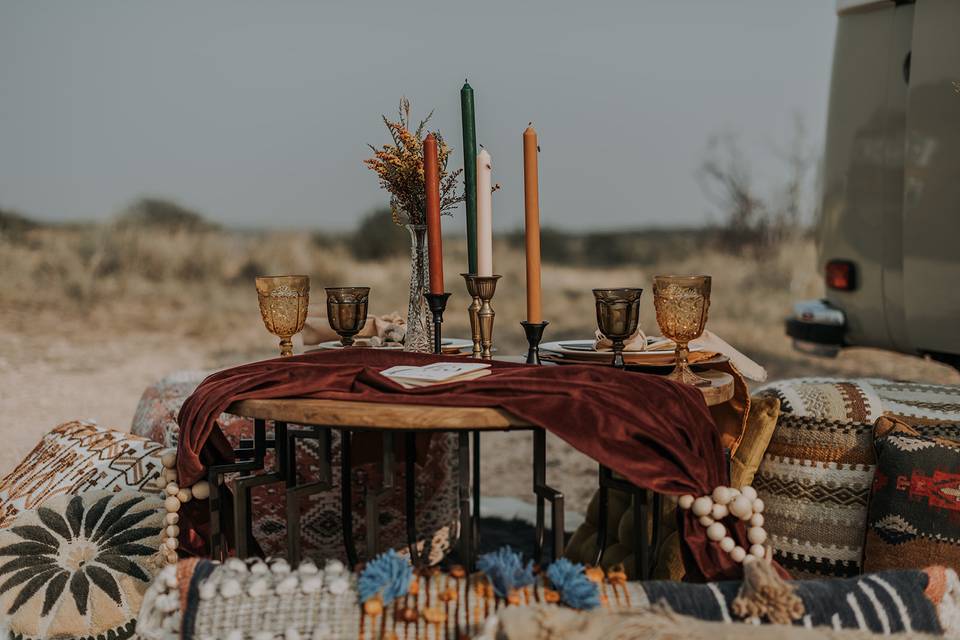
x,y
743,504
174,495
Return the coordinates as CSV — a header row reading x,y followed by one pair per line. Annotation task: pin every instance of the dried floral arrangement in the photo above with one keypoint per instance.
x,y
400,169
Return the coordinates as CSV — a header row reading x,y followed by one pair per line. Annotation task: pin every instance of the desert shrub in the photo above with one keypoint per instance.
x,y
161,215
14,227
378,237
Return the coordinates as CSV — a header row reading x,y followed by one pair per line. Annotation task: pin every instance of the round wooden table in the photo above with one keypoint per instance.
x,y
316,419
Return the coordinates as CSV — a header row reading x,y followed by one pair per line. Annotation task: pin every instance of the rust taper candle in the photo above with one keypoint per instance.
x,y
431,186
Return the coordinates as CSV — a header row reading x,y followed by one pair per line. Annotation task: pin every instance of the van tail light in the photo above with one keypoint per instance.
x,y
841,275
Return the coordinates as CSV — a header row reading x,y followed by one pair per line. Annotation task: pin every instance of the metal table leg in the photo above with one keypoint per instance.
x,y
645,547
242,510
297,493
410,494
545,492
346,497
475,540
252,460
466,524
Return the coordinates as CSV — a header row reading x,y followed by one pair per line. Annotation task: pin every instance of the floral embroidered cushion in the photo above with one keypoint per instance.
x,y
78,566
77,457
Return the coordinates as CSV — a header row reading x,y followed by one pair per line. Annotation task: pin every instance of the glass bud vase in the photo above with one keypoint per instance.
x,y
419,337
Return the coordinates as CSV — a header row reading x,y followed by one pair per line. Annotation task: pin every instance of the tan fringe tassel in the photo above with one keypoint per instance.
x,y
764,594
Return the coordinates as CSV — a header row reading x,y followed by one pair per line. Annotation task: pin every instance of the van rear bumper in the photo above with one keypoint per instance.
x,y
817,327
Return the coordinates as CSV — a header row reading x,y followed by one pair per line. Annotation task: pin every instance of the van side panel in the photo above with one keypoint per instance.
x,y
856,167
931,226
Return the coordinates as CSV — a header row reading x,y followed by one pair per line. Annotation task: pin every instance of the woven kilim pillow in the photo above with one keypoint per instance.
x,y
78,457
914,514
78,566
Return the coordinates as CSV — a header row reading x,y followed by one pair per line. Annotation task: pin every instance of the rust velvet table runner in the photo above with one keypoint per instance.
x,y
656,433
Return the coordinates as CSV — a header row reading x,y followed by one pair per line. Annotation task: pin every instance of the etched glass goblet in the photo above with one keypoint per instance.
x,y
347,311
682,303
283,306
618,316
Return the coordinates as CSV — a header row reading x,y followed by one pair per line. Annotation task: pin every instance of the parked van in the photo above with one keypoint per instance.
x,y
889,228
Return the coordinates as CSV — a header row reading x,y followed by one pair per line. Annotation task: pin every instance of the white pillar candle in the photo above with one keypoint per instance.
x,y
484,214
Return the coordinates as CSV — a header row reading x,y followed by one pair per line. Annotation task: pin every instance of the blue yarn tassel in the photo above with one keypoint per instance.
x,y
575,589
388,575
506,570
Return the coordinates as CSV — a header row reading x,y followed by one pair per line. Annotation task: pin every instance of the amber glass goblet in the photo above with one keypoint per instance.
x,y
347,311
682,303
283,306
618,316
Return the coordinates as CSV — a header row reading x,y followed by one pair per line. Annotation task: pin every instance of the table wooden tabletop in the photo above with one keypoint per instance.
x,y
407,417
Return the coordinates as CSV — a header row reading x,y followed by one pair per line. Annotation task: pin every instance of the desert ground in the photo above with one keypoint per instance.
x,y
93,314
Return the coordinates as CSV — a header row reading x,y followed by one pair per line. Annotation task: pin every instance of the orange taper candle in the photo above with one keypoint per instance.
x,y
531,205
431,187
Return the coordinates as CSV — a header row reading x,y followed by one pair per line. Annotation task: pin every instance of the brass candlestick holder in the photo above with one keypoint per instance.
x,y
534,333
437,303
483,287
473,310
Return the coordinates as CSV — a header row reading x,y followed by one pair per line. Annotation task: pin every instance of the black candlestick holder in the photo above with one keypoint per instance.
x,y
437,303
534,332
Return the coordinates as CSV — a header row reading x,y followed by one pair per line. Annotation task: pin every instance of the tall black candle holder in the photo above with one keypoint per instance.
x,y
437,303
534,333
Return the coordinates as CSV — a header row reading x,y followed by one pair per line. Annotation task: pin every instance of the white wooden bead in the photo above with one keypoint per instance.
x,y
738,554
758,550
169,458
756,535
741,508
756,520
727,544
172,488
201,490
173,531
721,495
706,521
172,543
685,502
748,492
716,532
719,512
171,504
758,506
702,506
171,518
184,495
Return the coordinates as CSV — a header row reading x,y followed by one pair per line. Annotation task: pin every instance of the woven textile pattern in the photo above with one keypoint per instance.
x,y
207,600
818,469
321,533
77,457
915,507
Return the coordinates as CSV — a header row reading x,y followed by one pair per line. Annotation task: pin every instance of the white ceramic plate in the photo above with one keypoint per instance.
x,y
445,343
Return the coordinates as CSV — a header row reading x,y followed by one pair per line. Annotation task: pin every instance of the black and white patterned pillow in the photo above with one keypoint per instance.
x,y
78,566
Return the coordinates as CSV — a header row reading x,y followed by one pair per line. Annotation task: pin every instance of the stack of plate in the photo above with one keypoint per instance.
x,y
449,346
660,354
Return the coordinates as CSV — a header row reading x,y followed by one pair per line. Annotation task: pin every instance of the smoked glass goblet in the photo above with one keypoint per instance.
x,y
618,316
283,306
347,311
682,303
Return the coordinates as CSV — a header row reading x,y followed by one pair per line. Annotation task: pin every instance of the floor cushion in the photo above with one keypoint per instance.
x,y
914,514
78,457
321,533
818,468
78,566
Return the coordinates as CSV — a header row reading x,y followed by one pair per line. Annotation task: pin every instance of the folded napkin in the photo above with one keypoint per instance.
x,y
390,327
707,345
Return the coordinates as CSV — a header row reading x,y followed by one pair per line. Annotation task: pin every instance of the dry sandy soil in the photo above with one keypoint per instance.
x,y
92,357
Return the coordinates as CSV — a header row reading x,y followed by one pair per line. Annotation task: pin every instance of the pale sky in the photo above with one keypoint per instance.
x,y
258,113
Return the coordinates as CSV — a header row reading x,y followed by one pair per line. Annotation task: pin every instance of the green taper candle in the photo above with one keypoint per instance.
x,y
470,171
